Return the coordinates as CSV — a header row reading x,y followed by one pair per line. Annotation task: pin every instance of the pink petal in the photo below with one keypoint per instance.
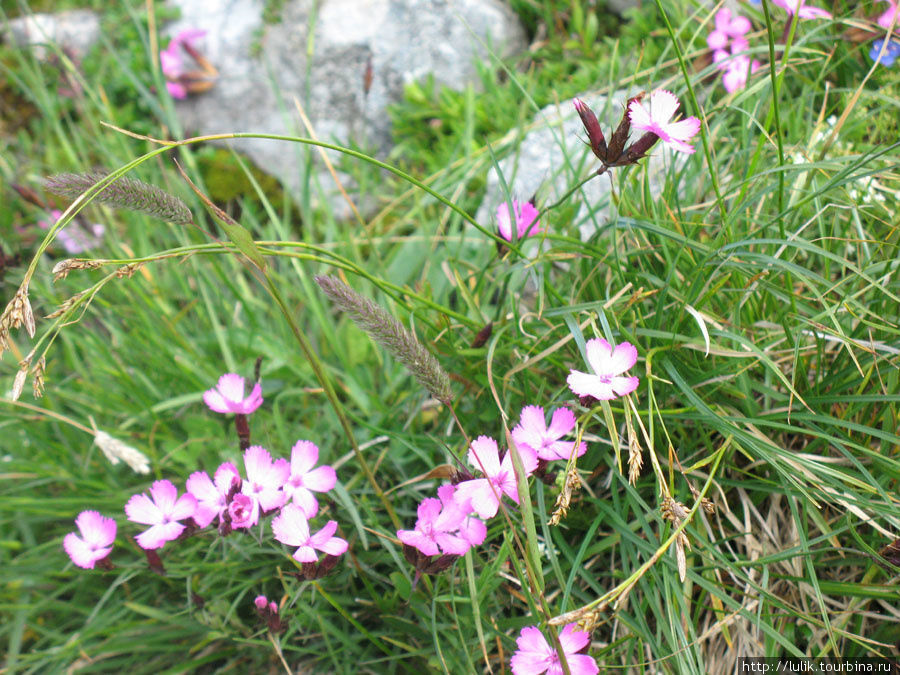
x,y
484,455
158,535
184,507
334,546
484,502
226,476
305,554
163,493
572,639
96,529
257,463
624,385
624,356
419,541
532,420
473,530
562,422
324,534
305,500
685,129
582,664
231,386
140,509
583,384
813,13
452,544
211,397
291,527
639,116
321,479
599,356
304,456
201,486
663,105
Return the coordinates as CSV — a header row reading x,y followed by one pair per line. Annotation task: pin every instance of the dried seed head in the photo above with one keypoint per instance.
x,y
124,192
63,267
37,384
128,270
390,334
17,313
115,450
564,500
66,305
19,382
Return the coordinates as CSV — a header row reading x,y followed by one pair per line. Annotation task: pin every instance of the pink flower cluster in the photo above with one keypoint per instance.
x,y
729,47
75,237
448,524
232,501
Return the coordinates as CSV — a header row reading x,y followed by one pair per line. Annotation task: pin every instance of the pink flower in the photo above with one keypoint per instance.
x,y
605,383
292,528
261,602
228,396
264,481
736,71
172,60
162,512
485,493
242,512
444,525
74,237
533,432
212,498
727,27
304,480
97,536
657,120
890,16
800,8
526,220
535,655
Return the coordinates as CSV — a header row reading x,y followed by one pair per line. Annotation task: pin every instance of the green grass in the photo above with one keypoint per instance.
x,y
786,419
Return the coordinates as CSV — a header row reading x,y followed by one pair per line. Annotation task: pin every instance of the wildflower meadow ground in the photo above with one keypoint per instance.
x,y
656,434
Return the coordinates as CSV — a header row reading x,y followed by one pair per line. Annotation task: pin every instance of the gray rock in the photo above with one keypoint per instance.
x,y
74,31
540,163
404,40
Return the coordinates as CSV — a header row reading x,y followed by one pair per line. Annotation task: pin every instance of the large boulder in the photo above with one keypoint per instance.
x,y
321,58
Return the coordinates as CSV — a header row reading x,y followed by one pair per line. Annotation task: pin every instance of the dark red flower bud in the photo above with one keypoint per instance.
x,y
640,147
592,127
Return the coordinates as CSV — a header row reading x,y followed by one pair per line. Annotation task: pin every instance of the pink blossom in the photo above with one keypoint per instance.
x,y
95,543
801,9
535,655
228,396
172,60
74,237
526,220
261,602
292,528
533,432
890,16
484,493
304,480
444,525
242,512
727,28
736,70
162,512
605,383
265,479
212,498
657,120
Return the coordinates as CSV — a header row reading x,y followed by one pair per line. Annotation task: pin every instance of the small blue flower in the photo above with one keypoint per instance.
x,y
891,52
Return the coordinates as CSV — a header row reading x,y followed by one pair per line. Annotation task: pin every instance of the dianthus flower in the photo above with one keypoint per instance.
x,y
292,528
172,61
228,396
304,480
95,543
525,215
728,27
801,9
162,512
891,15
608,364
535,655
212,497
656,118
533,432
265,479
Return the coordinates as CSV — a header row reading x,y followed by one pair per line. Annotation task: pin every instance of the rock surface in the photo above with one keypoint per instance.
x,y
540,165
404,40
74,31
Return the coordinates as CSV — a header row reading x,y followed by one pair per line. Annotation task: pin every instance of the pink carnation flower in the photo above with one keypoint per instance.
x,y
228,396
535,655
242,512
444,525
162,512
801,9
657,119
304,480
265,479
736,71
95,543
172,60
74,237
608,364
484,493
533,432
292,528
728,26
212,497
526,220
